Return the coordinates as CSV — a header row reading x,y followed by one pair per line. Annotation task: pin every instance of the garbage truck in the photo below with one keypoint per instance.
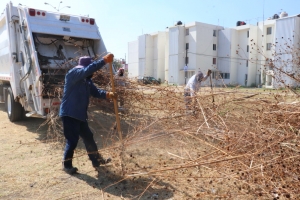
x,y
37,48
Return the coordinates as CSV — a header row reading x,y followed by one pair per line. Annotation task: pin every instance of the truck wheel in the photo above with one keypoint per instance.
x,y
14,109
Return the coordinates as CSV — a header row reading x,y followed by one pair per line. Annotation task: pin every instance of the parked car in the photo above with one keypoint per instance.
x,y
149,80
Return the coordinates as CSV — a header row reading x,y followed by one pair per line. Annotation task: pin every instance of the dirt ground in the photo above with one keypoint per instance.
x,y
31,167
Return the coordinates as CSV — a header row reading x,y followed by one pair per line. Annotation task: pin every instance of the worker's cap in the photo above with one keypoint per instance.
x,y
199,76
84,61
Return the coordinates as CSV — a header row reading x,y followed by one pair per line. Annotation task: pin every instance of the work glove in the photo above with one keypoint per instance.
x,y
111,95
108,58
208,72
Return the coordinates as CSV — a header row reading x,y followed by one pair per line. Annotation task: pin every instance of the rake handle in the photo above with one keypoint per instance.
x,y
211,89
115,102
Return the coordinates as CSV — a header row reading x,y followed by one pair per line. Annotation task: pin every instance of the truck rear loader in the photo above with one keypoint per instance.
x,y
37,48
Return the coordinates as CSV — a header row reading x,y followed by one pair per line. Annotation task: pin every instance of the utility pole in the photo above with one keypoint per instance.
x,y
186,63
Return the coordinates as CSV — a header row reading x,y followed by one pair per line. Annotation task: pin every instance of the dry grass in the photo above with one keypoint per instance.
x,y
245,145
242,146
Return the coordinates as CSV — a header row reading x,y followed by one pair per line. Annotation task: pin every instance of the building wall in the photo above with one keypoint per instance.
x,y
205,52
159,56
262,53
285,38
149,56
142,55
162,54
190,53
235,54
234,58
200,53
253,67
242,57
166,49
155,55
224,57
176,55
191,38
133,60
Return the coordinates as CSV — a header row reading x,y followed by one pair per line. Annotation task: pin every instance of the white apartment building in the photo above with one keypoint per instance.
x,y
191,48
146,56
176,54
280,43
237,56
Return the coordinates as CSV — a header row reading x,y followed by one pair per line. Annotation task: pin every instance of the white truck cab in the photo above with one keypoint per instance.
x,y
37,48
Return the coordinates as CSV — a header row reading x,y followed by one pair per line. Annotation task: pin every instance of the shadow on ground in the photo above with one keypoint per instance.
x,y
32,124
132,188
102,125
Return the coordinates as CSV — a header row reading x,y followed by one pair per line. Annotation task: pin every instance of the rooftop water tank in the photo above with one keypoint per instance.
x,y
275,16
179,23
283,14
240,23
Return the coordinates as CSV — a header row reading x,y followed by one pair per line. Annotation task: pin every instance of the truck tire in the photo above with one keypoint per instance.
x,y
14,109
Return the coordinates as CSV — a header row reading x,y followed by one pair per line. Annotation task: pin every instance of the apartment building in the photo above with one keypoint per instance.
x,y
146,56
176,54
279,38
196,50
236,59
242,55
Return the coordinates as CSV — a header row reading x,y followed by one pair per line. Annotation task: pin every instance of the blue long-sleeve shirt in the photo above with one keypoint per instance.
x,y
78,89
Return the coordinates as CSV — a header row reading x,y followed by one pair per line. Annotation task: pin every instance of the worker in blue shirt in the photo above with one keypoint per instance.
x,y
73,110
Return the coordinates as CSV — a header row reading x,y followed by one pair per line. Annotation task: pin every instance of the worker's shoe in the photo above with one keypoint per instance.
x,y
99,169
70,170
104,161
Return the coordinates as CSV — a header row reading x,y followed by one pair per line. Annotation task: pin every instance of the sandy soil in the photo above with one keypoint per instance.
x,y
30,167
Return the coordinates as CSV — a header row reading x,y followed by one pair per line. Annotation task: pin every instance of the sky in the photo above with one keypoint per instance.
x,y
122,21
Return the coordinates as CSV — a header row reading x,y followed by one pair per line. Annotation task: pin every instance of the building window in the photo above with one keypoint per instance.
x,y
269,30
186,60
214,47
214,61
187,31
190,74
247,63
225,75
187,46
247,34
247,48
269,46
215,33
214,74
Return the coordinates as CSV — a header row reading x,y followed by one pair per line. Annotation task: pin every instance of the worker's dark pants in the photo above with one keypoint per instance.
x,y
74,128
189,103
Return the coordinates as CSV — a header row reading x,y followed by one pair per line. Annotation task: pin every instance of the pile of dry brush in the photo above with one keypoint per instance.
x,y
244,144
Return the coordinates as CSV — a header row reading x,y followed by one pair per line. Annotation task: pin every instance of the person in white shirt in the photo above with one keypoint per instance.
x,y
192,87
120,83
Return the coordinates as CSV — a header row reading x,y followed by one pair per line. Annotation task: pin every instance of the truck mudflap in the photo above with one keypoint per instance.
x,y
35,114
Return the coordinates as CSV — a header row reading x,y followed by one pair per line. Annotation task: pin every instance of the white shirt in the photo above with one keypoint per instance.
x,y
193,85
120,80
